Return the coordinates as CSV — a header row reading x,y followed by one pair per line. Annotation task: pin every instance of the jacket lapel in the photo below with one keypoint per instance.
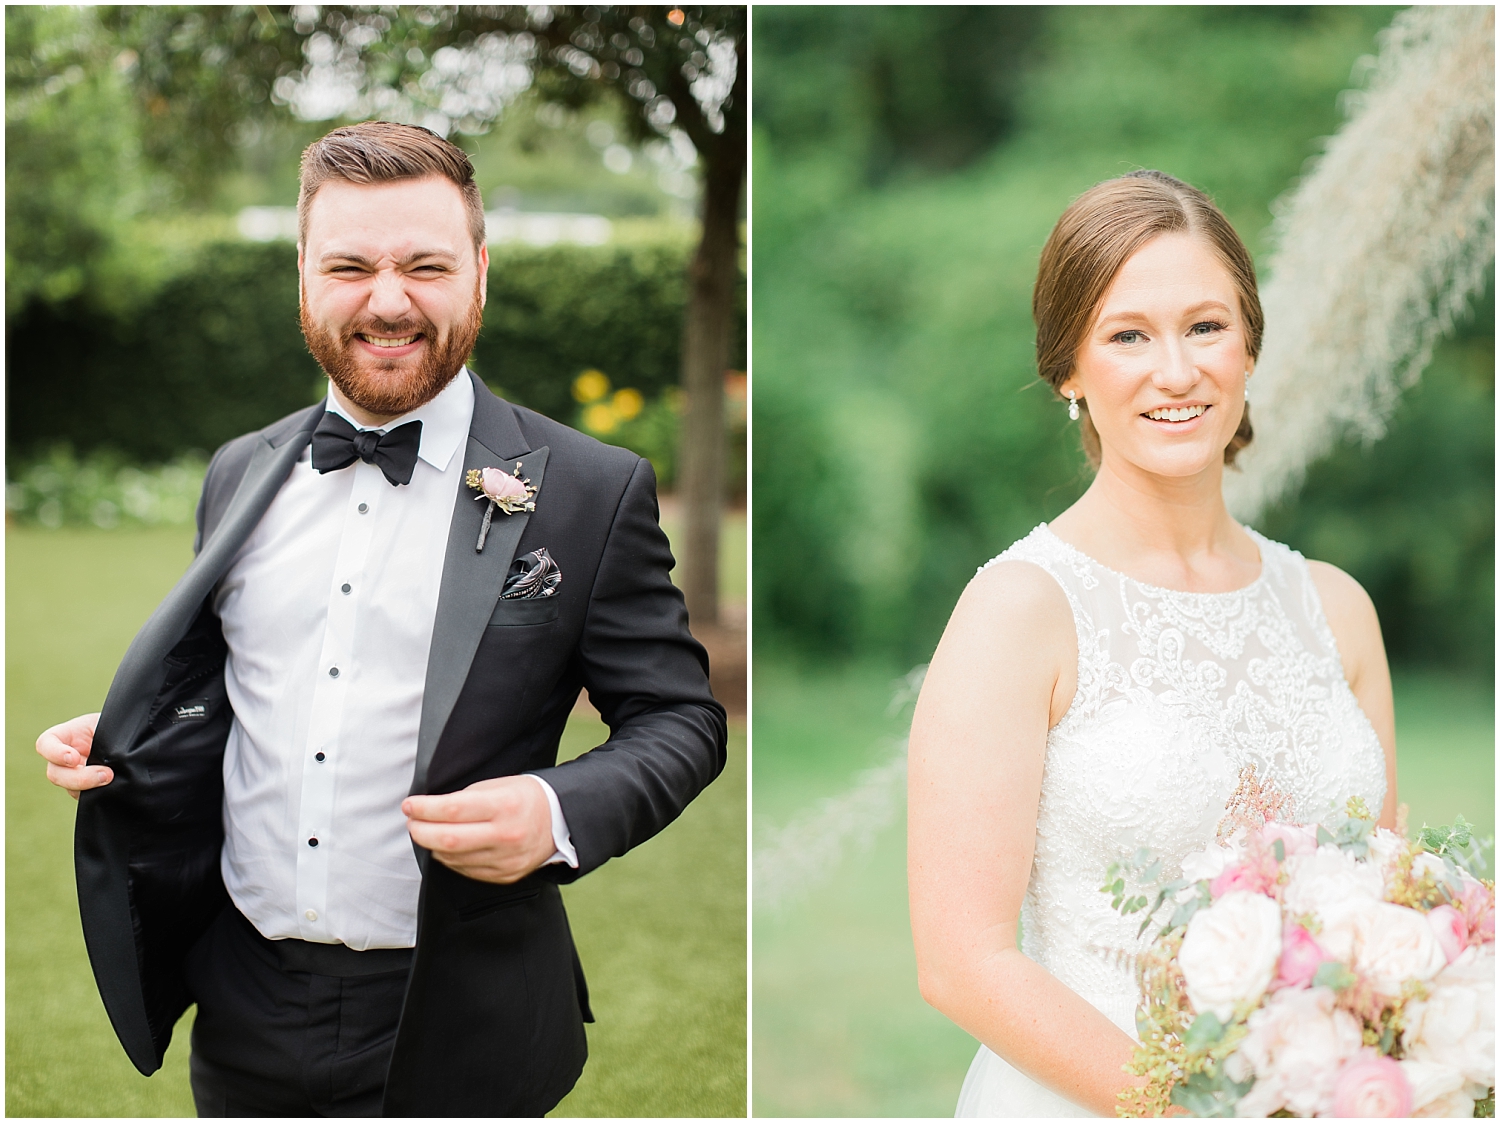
x,y
472,580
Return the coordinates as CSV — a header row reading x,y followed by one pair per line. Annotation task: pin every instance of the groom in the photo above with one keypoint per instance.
x,y
321,800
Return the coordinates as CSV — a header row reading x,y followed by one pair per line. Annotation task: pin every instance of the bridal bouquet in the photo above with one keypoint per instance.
x,y
1303,971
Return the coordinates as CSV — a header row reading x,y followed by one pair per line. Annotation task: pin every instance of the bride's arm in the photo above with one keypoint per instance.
x,y
1356,631
1003,674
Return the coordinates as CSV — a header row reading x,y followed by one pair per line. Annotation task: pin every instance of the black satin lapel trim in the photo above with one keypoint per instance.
x,y
142,670
471,586
495,422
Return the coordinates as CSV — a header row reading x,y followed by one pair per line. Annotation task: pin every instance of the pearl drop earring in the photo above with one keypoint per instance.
x,y
1247,386
1072,405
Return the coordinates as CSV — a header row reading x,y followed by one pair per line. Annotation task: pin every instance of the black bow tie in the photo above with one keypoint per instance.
x,y
337,444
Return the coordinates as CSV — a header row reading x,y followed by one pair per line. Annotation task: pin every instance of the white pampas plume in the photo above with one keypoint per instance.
x,y
797,858
806,852
1378,248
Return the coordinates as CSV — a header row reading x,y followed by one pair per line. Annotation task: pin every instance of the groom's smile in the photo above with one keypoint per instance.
x,y
393,288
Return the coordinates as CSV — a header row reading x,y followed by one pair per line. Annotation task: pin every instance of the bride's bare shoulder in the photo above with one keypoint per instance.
x,y
1013,597
1009,651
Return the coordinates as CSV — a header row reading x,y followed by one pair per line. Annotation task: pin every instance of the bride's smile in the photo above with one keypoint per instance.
x,y
1163,367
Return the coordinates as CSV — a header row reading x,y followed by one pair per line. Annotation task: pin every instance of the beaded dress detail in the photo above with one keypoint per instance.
x,y
1176,693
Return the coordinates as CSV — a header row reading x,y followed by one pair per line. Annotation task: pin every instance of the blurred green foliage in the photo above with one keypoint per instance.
x,y
216,350
120,122
100,490
213,352
902,437
69,125
899,89
556,312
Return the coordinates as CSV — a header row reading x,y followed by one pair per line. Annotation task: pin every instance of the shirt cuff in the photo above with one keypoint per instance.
x,y
561,838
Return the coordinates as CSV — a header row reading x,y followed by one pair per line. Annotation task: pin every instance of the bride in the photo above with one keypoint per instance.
x,y
1101,684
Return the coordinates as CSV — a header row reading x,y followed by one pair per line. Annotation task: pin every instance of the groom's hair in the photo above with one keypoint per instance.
x,y
1091,242
383,152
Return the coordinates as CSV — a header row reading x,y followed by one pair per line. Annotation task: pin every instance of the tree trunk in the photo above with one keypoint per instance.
x,y
705,352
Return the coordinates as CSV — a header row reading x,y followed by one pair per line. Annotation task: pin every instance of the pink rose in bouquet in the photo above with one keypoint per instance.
x,y
1294,839
1477,903
1451,928
1372,1087
1247,877
1259,870
1301,956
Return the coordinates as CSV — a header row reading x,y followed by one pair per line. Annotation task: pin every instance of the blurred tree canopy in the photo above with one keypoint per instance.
x,y
122,113
899,88
902,437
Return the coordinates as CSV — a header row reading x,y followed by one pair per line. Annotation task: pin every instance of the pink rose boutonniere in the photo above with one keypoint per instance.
x,y
512,493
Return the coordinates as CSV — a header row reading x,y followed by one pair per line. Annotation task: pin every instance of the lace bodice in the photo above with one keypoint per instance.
x,y
1176,693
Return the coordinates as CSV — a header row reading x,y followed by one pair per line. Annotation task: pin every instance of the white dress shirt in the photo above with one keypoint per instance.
x,y
328,611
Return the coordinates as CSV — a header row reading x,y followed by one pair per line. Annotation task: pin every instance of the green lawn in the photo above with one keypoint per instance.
x,y
661,932
840,1029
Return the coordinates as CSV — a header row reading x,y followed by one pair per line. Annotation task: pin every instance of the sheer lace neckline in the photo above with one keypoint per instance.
x,y
1162,590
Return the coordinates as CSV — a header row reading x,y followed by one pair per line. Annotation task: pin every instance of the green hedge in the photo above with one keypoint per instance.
x,y
216,351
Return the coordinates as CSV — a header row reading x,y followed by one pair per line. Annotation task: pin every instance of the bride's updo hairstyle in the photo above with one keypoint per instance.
x,y
1093,239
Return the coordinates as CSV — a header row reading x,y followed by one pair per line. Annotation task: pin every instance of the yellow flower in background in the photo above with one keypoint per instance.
x,y
628,403
590,386
600,417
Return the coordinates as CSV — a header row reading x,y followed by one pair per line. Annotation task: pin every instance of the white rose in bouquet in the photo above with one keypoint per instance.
x,y
1230,951
1297,1043
1387,943
1450,1105
1207,864
1385,847
1455,1026
1316,882
1214,859
1437,1091
1431,863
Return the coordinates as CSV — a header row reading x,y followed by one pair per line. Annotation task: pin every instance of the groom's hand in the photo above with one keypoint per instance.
x,y
66,747
496,830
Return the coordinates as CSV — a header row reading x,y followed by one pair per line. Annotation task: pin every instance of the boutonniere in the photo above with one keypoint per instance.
x,y
511,493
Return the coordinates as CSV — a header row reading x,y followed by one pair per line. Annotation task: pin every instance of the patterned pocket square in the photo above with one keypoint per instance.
x,y
531,576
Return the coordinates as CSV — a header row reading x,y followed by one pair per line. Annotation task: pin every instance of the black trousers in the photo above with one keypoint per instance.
x,y
288,1028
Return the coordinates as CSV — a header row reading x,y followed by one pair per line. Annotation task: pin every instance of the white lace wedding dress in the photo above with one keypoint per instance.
x,y
1176,693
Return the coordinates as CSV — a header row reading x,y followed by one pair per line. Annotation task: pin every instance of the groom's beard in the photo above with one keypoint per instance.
x,y
393,387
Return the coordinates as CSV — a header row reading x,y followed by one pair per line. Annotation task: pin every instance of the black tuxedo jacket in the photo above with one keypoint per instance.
x,y
493,1018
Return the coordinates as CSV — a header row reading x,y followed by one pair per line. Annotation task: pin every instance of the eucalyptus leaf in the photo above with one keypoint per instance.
x,y
1208,1097
1184,912
1333,975
1205,1030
